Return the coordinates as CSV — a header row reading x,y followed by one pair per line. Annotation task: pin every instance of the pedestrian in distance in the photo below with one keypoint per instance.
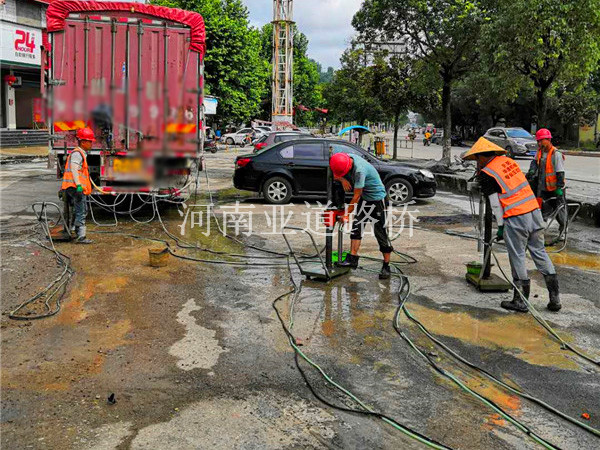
x,y
358,176
76,183
519,219
547,177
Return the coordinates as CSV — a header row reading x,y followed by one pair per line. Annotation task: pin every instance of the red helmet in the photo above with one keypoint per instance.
x,y
340,164
543,133
86,134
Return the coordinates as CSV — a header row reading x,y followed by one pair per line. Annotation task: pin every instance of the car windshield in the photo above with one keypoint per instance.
x,y
519,133
262,139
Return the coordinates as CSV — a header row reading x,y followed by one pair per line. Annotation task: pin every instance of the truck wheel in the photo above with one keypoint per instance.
x,y
230,141
399,191
277,191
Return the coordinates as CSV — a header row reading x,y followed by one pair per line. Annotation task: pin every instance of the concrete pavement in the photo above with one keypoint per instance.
x,y
197,359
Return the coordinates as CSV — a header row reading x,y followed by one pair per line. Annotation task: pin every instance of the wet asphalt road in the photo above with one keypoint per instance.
x,y
197,359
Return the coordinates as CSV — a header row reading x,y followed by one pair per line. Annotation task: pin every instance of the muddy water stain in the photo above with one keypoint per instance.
x,y
519,334
586,261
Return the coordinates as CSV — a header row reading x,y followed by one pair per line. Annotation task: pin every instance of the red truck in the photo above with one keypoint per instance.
x,y
134,74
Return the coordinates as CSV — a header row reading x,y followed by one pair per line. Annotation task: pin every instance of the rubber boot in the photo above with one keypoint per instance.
x,y
81,239
350,261
517,303
385,273
552,285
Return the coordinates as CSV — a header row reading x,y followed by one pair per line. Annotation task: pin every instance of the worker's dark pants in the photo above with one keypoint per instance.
x,y
366,212
553,201
78,204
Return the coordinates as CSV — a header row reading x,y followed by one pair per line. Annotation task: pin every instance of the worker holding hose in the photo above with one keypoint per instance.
x,y
519,218
357,175
547,177
76,183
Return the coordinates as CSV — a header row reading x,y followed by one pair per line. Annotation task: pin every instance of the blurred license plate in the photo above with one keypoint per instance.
x,y
127,165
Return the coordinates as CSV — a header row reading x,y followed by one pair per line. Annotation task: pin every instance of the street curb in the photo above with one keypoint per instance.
x,y
586,154
458,185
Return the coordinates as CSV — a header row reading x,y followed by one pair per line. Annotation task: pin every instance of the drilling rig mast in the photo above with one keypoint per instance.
x,y
283,61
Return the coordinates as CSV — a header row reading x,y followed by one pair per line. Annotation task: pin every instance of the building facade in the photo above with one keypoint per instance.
x,y
21,24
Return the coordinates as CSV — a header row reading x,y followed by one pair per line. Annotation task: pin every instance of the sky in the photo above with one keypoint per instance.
x,y
326,24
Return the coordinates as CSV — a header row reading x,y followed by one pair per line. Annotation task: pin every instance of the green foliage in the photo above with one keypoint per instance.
x,y
235,71
349,96
443,34
549,42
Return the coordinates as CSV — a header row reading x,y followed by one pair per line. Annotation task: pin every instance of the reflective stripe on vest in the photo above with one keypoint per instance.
x,y
84,175
549,170
517,197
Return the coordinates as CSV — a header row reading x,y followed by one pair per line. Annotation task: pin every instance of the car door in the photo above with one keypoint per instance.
x,y
502,139
307,163
492,135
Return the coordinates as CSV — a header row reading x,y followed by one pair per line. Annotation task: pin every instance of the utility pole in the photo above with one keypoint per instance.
x,y
283,61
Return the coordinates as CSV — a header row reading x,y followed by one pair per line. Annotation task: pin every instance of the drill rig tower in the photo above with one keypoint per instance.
x,y
283,61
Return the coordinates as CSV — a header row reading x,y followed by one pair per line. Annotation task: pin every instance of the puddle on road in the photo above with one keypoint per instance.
x,y
586,261
519,334
336,313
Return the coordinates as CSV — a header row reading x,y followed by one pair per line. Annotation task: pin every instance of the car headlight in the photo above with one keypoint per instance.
x,y
427,173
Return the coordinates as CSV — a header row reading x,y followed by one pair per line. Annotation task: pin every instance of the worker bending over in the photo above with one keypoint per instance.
x,y
76,182
547,177
357,175
520,221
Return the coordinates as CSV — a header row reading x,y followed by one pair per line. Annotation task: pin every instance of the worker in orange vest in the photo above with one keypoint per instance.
x,y
547,177
519,218
76,183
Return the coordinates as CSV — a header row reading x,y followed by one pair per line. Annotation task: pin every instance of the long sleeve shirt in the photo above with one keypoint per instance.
x,y
76,165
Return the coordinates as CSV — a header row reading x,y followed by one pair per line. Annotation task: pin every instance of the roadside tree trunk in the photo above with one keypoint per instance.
x,y
396,129
447,111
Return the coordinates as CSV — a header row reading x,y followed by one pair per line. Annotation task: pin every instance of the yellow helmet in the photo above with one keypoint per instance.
x,y
483,146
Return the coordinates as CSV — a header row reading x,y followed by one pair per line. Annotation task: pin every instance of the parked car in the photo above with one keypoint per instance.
x,y
516,141
455,140
276,137
299,168
241,137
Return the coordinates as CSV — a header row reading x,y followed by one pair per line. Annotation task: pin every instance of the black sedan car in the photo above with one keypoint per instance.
x,y
299,168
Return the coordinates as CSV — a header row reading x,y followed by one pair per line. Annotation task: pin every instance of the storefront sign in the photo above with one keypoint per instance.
x,y
210,105
21,44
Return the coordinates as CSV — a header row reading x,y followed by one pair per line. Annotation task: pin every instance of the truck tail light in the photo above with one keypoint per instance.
x,y
243,162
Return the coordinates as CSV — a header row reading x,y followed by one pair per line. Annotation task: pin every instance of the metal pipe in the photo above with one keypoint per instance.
x,y
487,267
140,89
113,37
201,117
165,84
126,75
86,30
480,246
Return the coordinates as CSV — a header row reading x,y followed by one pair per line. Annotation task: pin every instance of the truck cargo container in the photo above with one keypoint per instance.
x,y
134,74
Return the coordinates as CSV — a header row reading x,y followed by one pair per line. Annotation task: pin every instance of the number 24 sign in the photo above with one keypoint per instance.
x,y
25,41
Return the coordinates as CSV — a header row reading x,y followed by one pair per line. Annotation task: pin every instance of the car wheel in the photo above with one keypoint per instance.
x,y
230,141
277,191
509,152
399,191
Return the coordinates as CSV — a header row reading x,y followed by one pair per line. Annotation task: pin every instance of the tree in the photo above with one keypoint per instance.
x,y
391,86
235,72
546,41
444,33
349,97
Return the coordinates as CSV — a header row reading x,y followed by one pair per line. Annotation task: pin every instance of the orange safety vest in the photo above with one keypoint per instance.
x,y
550,171
516,198
84,174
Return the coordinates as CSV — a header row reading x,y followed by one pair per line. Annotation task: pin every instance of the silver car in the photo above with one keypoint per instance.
x,y
516,141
